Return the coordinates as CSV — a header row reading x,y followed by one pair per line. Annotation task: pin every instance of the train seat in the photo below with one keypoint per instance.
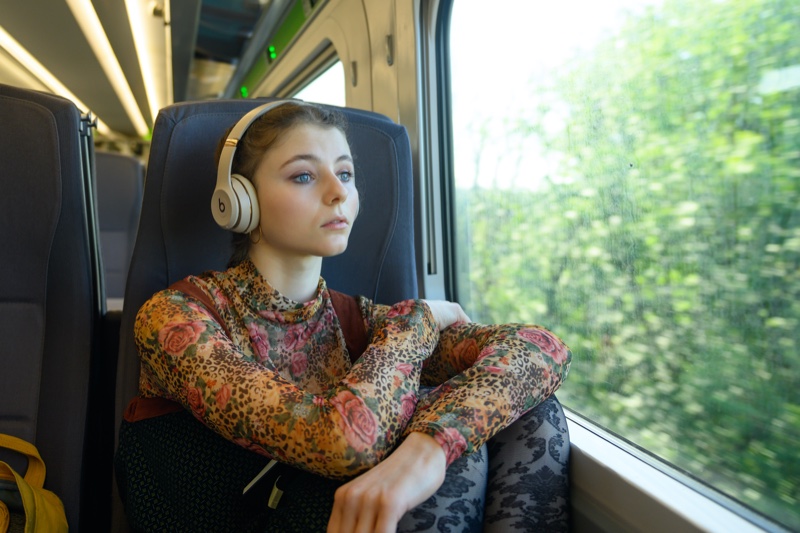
x,y
48,287
120,182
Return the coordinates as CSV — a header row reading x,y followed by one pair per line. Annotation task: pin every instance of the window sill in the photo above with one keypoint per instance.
x,y
616,488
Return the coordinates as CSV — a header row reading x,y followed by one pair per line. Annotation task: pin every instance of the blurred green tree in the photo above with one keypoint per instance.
x,y
666,247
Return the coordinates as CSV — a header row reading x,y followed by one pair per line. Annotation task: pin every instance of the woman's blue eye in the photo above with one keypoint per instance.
x,y
345,176
302,178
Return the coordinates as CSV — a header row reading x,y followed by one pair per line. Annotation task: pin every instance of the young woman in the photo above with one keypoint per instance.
x,y
268,367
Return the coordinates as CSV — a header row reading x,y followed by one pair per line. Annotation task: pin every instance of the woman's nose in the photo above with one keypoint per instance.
x,y
336,191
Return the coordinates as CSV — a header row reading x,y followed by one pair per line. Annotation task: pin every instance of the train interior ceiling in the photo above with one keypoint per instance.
x,y
123,61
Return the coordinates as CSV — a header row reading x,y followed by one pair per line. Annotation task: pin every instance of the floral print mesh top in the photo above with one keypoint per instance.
x,y
276,377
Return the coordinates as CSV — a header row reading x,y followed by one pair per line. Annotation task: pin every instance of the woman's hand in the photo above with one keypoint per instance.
x,y
446,313
376,500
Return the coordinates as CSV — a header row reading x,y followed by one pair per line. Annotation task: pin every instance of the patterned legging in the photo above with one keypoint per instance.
x,y
519,481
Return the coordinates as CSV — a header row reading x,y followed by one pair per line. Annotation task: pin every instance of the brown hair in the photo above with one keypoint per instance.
x,y
259,139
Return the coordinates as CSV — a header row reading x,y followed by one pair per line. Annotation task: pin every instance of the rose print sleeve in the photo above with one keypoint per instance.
x,y
188,357
490,376
486,376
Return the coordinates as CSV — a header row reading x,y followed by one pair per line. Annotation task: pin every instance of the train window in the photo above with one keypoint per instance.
x,y
327,88
627,173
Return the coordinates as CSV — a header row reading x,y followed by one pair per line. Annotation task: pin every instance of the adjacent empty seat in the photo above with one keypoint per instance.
x,y
120,182
48,286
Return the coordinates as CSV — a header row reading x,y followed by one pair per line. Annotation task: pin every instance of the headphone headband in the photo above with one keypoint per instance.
x,y
234,203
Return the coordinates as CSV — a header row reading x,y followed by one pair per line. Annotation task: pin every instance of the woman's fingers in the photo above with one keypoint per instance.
x,y
335,521
357,510
376,500
345,513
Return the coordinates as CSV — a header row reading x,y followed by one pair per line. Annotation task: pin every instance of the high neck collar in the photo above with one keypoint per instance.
x,y
263,297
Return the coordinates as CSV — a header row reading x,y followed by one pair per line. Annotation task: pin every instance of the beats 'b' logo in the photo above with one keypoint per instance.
x,y
221,205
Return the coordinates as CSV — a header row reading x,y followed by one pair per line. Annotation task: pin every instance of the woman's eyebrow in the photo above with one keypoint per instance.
x,y
314,159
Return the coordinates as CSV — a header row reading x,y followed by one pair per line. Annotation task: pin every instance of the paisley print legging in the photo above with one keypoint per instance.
x,y
518,481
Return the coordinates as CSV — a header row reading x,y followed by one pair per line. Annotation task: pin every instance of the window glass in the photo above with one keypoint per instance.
x,y
327,88
627,173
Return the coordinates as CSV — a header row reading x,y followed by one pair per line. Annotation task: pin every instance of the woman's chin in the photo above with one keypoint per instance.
x,y
334,247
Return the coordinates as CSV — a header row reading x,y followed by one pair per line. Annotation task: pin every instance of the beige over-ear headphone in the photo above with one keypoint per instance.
x,y
234,203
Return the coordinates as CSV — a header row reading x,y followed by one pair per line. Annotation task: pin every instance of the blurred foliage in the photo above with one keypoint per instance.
x,y
665,250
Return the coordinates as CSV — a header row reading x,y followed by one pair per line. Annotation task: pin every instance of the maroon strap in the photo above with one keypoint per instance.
x,y
143,408
355,335
197,293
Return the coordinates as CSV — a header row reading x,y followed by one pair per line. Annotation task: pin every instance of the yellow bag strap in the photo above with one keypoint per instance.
x,y
36,471
44,511
5,518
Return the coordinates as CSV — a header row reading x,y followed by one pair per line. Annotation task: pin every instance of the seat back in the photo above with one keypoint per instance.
x,y
120,182
48,290
177,235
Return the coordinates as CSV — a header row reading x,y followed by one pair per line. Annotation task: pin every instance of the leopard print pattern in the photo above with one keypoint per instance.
x,y
485,378
279,382
275,378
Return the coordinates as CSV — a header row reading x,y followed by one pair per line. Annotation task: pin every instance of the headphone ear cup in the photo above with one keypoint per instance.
x,y
225,208
249,213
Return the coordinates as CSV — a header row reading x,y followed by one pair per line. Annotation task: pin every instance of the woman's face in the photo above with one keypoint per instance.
x,y
307,194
